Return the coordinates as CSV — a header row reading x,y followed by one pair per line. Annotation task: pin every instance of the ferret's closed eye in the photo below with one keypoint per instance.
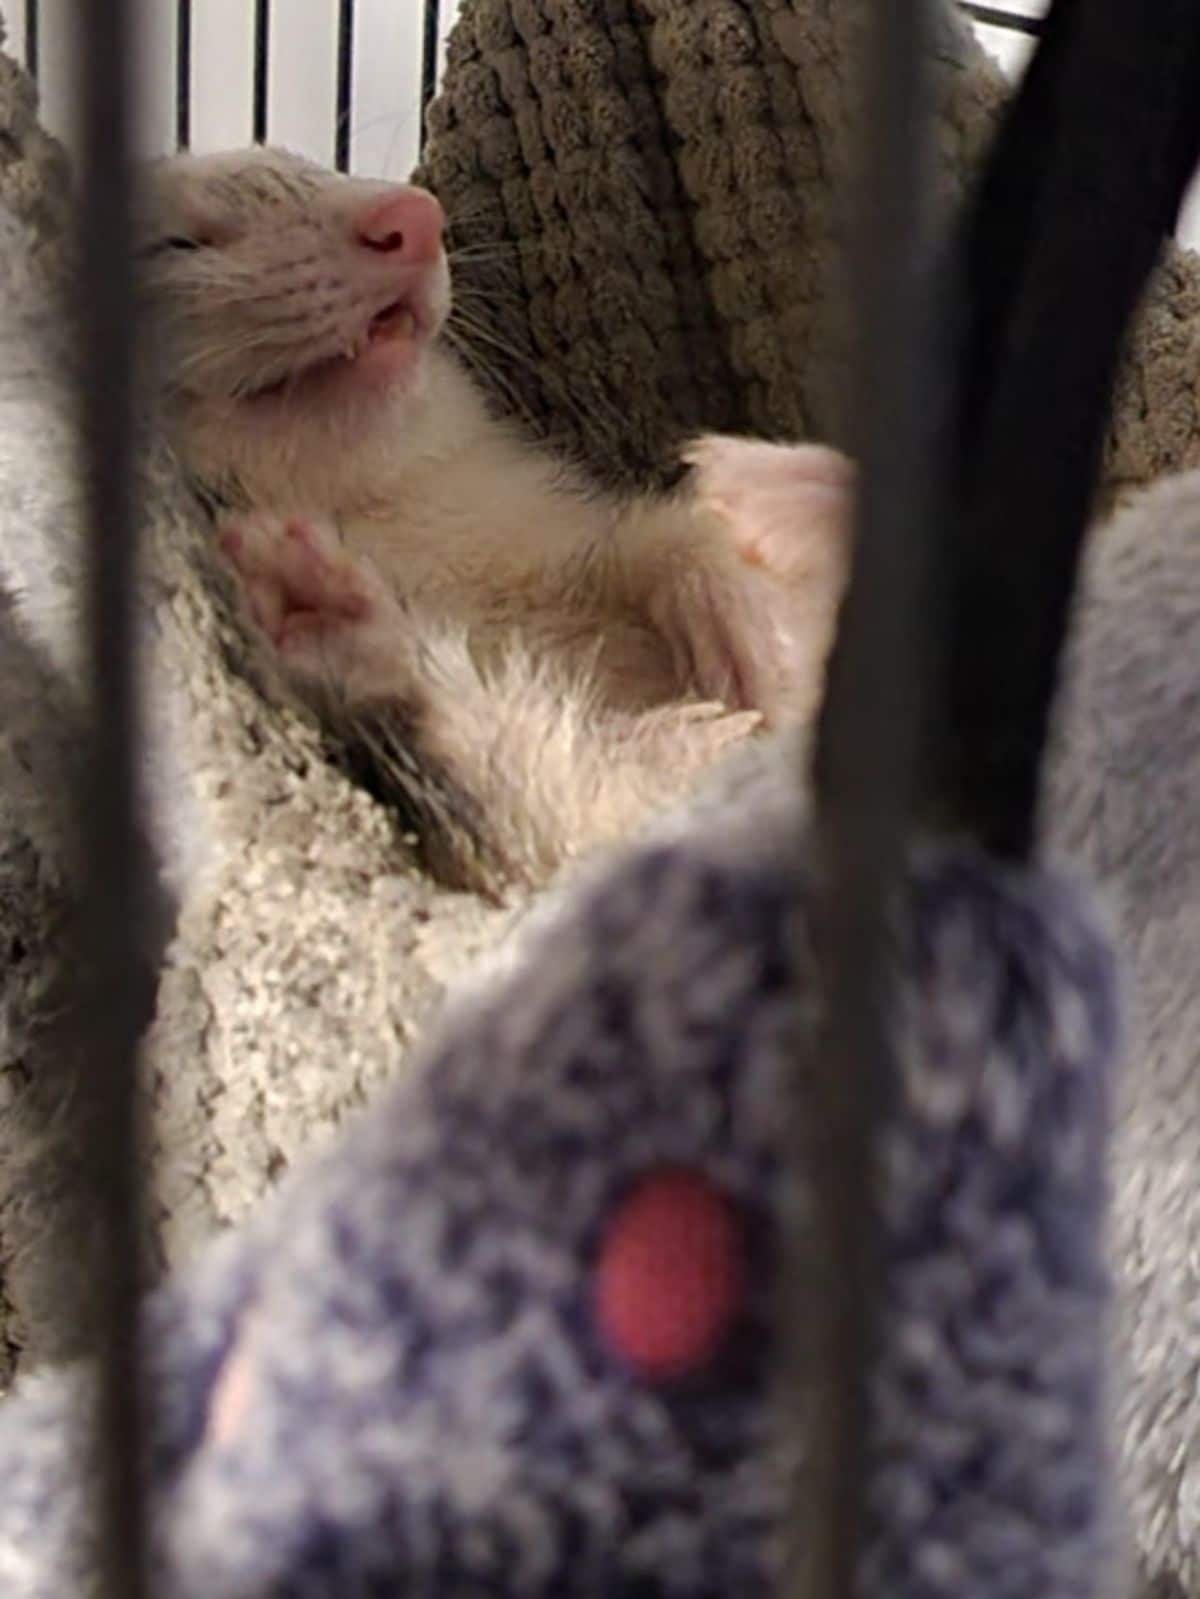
x,y
175,242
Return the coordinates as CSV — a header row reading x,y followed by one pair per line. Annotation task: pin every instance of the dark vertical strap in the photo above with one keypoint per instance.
x,y
183,74
262,53
117,891
1083,183
870,741
345,84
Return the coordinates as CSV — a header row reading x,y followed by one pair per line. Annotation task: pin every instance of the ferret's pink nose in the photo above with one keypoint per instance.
x,y
408,225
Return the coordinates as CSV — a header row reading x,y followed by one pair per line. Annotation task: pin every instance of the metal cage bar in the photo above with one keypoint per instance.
x,y
32,37
262,54
868,757
994,15
345,85
183,74
117,873
429,62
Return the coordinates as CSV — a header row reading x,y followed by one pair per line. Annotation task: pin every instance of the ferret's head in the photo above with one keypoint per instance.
x,y
297,313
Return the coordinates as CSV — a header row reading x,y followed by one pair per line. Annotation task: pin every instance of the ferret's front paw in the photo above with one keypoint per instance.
x,y
787,506
327,612
786,513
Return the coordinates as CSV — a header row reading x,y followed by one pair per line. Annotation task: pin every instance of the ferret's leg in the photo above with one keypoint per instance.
x,y
546,769
555,773
756,552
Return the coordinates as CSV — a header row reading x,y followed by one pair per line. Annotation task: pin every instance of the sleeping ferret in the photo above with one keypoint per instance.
x,y
533,663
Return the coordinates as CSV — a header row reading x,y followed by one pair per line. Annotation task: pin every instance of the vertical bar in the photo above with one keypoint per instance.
x,y
1106,126
183,74
32,39
114,912
429,62
870,742
345,84
262,50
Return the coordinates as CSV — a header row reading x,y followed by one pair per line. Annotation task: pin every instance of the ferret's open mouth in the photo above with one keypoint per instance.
x,y
399,323
395,321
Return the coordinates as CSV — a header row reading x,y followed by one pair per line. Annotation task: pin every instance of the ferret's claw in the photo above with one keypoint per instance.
x,y
692,734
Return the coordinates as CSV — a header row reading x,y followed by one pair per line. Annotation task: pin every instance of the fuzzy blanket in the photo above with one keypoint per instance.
x,y
652,186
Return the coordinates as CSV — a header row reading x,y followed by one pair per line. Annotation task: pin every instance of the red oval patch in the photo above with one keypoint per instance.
x,y
671,1277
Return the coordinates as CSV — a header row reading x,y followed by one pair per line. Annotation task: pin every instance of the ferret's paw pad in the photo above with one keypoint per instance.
x,y
787,506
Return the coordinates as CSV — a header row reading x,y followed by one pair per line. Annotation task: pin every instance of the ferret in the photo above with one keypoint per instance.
x,y
535,664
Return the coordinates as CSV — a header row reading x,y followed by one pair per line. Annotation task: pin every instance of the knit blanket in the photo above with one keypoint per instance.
x,y
648,195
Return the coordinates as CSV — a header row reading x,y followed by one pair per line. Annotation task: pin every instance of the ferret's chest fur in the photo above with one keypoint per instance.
x,y
470,524
539,572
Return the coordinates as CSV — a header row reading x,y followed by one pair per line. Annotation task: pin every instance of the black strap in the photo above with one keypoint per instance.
x,y
1083,184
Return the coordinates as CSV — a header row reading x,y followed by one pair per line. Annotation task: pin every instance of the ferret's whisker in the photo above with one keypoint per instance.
x,y
473,329
476,327
467,294
484,249
492,375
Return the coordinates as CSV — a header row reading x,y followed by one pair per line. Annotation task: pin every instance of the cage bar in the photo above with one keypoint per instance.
x,y
183,74
115,902
262,52
29,38
868,755
429,62
32,40
345,85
